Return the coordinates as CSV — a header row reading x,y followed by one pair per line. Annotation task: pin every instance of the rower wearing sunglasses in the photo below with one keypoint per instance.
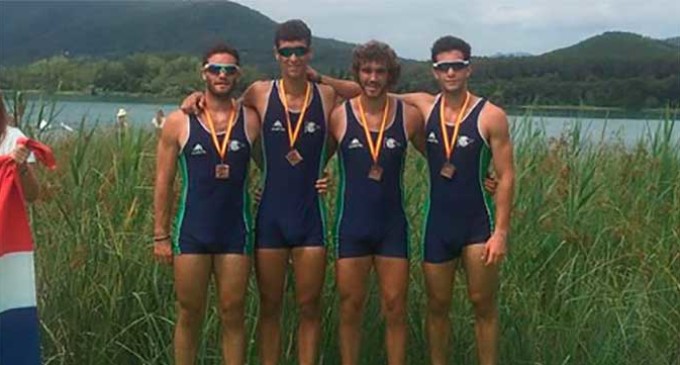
x,y
464,219
213,230
290,220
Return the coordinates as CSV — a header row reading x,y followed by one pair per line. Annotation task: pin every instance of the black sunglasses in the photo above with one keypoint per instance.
x,y
290,51
217,68
445,66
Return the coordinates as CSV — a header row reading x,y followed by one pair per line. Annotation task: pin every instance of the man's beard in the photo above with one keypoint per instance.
x,y
219,94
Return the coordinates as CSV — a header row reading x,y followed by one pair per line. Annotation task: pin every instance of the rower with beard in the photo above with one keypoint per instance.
x,y
213,230
373,131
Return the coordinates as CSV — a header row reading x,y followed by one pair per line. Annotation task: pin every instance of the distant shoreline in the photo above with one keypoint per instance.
x,y
543,110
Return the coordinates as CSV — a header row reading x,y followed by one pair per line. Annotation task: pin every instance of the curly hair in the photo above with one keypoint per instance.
x,y
375,51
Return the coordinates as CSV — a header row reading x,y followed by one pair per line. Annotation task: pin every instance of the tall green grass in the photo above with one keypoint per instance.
x,y
593,275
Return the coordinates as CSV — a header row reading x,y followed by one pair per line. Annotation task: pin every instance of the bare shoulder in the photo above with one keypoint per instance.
x,y
493,116
256,92
175,126
175,120
260,86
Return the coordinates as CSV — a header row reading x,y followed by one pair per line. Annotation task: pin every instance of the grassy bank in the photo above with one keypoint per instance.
x,y
593,275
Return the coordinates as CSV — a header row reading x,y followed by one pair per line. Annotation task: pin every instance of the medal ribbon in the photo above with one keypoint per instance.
x,y
374,147
293,135
449,144
222,149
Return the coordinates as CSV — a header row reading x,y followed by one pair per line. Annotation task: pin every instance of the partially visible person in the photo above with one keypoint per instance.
x,y
9,136
212,235
121,119
159,119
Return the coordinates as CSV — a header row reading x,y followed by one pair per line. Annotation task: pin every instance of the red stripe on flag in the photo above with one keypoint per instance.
x,y
15,232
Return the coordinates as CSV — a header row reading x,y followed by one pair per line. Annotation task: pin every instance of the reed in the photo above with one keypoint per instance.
x,y
593,275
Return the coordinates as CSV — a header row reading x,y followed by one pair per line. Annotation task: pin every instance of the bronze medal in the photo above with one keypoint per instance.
x,y
448,170
375,173
294,157
222,171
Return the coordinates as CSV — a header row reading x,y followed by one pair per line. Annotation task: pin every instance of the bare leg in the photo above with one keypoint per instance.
x,y
482,284
192,274
393,277
439,281
271,275
231,274
352,275
310,268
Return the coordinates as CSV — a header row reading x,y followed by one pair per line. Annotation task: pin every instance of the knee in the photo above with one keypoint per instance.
x,y
270,306
484,304
394,308
190,312
438,306
231,311
309,307
351,308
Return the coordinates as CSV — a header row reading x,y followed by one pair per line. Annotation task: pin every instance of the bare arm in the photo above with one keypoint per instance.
x,y
29,182
166,168
501,148
496,124
422,101
344,89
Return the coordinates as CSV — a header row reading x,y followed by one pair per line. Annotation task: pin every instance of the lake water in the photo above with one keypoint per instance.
x,y
103,113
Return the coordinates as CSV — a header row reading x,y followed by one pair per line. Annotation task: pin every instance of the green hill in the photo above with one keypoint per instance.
x,y
675,42
616,45
31,31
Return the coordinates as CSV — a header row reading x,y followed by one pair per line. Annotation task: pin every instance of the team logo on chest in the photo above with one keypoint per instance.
x,y
432,138
235,145
311,127
198,150
391,143
355,143
464,141
278,127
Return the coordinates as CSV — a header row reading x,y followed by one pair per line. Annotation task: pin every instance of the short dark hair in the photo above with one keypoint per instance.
x,y
221,48
375,51
450,43
293,30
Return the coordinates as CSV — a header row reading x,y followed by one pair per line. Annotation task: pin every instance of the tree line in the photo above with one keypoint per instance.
x,y
627,82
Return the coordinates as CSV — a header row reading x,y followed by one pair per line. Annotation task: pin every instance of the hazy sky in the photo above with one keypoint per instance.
x,y
410,26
